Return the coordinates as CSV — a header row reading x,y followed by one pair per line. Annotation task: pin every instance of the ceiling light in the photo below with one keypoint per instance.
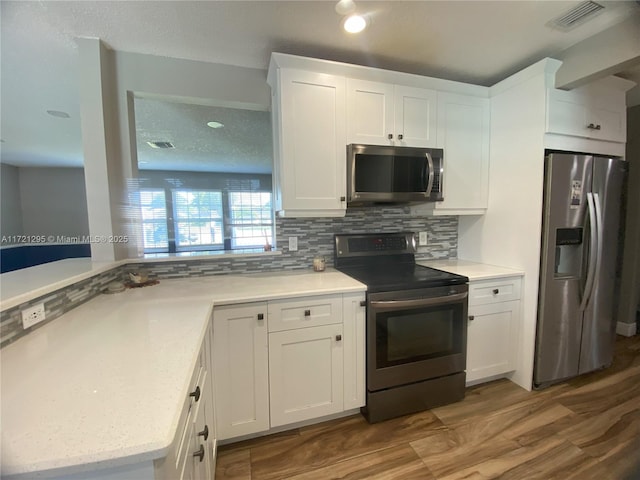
x,y
345,7
215,124
58,113
355,24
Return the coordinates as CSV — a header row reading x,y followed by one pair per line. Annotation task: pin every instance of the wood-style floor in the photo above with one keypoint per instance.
x,y
587,428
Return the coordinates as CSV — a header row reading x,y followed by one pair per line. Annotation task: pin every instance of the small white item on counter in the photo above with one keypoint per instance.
x,y
319,264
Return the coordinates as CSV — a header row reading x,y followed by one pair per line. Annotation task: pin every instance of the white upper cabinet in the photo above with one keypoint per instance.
x,y
597,111
463,134
309,144
386,114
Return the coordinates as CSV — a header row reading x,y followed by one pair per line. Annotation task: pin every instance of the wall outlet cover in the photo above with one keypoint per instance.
x,y
293,244
422,239
33,315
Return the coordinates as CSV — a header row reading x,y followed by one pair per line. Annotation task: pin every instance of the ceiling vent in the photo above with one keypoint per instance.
x,y
161,145
575,17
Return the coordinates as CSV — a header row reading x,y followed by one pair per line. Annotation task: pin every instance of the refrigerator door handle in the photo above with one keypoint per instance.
x,y
598,208
593,252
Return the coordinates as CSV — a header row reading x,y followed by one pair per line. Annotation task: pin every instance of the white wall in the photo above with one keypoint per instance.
x,y
630,287
10,206
54,201
43,201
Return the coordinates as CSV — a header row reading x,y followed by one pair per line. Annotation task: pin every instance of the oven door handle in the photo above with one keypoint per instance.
x,y
417,302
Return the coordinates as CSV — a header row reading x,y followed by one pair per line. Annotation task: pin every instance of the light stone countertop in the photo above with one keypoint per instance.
x,y
103,384
473,270
26,284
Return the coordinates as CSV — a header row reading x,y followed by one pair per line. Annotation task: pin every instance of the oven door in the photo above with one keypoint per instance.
x,y
415,335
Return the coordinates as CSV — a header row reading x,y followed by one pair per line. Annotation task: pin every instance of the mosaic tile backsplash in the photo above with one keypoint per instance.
x,y
55,304
315,237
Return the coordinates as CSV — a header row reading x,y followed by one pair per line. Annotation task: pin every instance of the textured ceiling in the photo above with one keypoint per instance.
x,y
479,42
243,145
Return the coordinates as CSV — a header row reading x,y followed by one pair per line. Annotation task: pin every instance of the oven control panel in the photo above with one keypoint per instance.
x,y
375,244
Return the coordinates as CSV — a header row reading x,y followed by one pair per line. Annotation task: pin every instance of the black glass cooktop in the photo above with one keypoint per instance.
x,y
386,262
404,276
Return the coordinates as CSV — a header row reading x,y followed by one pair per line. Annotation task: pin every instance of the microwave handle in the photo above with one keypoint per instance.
x,y
431,175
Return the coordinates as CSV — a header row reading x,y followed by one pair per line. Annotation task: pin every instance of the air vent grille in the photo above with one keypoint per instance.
x,y
576,16
161,145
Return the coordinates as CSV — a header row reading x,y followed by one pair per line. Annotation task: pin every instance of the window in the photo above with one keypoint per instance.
x,y
154,220
198,219
187,219
250,219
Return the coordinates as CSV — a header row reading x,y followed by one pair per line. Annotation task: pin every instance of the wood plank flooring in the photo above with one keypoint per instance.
x,y
586,428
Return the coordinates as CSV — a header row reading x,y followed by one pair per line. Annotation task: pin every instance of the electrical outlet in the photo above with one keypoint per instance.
x,y
33,315
423,239
293,244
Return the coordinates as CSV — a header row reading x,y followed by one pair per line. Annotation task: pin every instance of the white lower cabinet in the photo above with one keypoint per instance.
x,y
492,329
192,454
241,369
305,373
304,360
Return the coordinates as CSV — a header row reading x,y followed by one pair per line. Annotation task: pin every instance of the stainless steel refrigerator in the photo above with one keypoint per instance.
x,y
581,225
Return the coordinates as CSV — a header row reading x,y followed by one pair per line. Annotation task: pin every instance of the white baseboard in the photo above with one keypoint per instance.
x,y
626,329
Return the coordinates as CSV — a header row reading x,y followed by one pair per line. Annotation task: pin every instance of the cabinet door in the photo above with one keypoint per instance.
x,y
240,363
313,143
370,112
463,133
609,112
590,112
354,350
492,338
306,373
567,113
415,116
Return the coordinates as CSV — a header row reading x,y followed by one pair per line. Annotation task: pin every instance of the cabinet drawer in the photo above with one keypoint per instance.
x,y
304,312
493,291
198,379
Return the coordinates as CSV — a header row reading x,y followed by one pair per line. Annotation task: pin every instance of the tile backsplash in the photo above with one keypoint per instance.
x,y
315,237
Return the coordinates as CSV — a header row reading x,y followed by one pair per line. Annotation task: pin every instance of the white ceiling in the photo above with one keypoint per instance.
x,y
242,145
479,42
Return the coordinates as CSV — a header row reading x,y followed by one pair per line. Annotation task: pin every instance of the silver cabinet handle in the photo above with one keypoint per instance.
x,y
400,137
496,291
196,393
204,433
390,136
338,338
261,316
199,453
472,318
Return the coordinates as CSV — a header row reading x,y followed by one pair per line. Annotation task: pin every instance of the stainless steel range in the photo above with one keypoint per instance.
x,y
416,325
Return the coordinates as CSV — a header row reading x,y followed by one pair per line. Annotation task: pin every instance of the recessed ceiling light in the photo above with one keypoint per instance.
x,y
58,113
215,124
345,7
355,24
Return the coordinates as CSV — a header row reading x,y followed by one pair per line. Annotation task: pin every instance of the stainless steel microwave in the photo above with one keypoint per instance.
x,y
387,174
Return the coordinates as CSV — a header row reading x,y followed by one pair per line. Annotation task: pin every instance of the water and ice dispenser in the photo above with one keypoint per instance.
x,y
569,253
